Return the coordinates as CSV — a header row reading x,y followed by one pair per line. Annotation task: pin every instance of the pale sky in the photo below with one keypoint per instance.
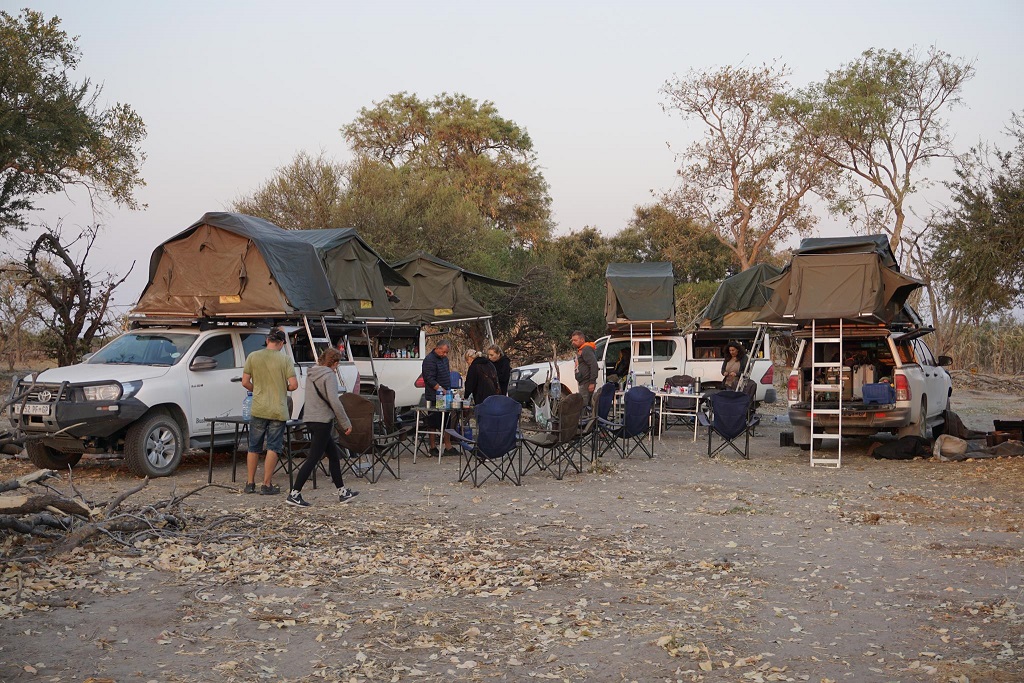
x,y
230,91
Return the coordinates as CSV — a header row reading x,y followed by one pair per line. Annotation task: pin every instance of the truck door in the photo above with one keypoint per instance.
x,y
217,392
934,377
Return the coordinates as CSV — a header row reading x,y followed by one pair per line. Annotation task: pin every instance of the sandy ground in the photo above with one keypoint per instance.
x,y
678,568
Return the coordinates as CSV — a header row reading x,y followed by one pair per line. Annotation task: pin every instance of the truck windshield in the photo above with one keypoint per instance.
x,y
144,348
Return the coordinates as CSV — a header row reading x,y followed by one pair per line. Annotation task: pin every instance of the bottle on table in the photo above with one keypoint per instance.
x,y
439,402
247,406
556,389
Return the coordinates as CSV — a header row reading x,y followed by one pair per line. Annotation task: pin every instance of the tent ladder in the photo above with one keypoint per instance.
x,y
826,342
634,330
320,341
762,332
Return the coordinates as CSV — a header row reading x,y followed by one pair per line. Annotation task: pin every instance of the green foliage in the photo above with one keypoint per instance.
x,y
691,300
747,179
878,119
489,160
978,241
656,233
53,134
305,194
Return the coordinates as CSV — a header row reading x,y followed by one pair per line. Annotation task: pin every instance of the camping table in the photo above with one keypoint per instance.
x,y
662,412
242,427
449,415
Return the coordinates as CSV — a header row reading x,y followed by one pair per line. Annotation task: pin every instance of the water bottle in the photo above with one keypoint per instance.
x,y
439,403
696,385
247,406
631,380
556,389
448,400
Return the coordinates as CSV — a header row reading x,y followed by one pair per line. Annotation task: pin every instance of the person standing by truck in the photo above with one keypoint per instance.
x,y
437,376
732,366
269,375
501,365
586,366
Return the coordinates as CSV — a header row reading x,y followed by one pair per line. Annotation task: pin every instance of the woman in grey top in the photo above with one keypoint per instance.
x,y
321,408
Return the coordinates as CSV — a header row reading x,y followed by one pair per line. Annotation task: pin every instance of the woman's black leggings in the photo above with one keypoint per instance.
x,y
320,442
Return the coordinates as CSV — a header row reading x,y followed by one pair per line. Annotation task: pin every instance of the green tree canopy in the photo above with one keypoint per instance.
x,y
53,134
748,177
878,119
489,159
656,233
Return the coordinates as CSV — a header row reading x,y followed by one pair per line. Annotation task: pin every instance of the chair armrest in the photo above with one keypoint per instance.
x,y
702,419
459,437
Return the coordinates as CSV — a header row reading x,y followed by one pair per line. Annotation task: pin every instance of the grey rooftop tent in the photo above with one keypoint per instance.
x,y
356,273
437,291
855,279
640,293
233,264
739,298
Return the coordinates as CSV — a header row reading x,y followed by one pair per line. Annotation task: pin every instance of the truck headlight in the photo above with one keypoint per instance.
x,y
524,374
102,392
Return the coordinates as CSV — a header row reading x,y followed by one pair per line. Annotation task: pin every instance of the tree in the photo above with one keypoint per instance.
x,y
656,233
748,177
20,310
489,159
53,133
978,240
305,194
77,302
879,119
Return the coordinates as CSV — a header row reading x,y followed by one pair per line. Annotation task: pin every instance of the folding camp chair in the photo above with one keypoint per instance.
x,y
390,423
497,449
637,424
558,449
730,418
604,440
588,430
456,379
372,454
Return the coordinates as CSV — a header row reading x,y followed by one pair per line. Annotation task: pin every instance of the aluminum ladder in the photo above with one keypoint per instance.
x,y
634,360
320,341
824,343
762,332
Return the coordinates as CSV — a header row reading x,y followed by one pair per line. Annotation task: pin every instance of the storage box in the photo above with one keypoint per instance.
x,y
879,394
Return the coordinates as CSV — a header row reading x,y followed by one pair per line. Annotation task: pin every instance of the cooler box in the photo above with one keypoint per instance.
x,y
879,394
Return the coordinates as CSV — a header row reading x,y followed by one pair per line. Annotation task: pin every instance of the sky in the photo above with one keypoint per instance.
x,y
231,91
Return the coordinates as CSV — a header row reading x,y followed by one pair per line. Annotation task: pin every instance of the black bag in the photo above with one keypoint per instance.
x,y
903,448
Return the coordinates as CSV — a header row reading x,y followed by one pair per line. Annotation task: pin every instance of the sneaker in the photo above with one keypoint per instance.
x,y
345,495
271,490
295,498
250,488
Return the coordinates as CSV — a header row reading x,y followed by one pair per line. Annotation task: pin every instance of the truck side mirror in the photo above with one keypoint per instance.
x,y
200,363
943,361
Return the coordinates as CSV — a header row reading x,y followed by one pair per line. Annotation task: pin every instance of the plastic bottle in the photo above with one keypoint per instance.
x,y
439,403
556,389
631,380
247,406
448,395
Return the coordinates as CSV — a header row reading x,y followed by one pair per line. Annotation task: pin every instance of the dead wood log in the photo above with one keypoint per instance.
x,y
20,482
28,504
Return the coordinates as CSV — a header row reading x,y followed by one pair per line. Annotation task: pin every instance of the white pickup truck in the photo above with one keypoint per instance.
x,y
146,394
698,354
921,387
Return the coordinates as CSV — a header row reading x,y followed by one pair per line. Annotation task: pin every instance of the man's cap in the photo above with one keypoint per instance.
x,y
275,335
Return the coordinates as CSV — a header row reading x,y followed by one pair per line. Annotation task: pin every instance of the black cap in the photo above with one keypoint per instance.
x,y
275,335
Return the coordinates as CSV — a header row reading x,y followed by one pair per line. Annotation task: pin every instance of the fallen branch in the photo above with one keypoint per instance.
x,y
28,504
21,482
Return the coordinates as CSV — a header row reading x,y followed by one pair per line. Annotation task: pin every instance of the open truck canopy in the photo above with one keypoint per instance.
x,y
855,279
740,298
640,293
437,291
233,264
356,273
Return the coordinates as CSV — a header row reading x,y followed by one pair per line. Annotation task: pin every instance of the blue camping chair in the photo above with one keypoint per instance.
x,y
456,380
602,440
731,417
636,427
496,450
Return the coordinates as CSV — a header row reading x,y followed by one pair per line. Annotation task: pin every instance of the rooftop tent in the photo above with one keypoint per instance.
x,y
437,290
857,244
357,274
739,298
233,264
640,292
855,287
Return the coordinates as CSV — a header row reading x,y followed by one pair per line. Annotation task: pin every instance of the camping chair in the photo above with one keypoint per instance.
x,y
604,440
497,449
456,380
390,423
679,409
558,449
370,453
637,424
588,429
730,418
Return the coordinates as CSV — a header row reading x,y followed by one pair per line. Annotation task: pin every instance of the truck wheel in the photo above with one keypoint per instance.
x,y
153,446
919,428
50,458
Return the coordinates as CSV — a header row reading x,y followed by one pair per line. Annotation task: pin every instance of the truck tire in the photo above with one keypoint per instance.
x,y
50,458
919,428
153,446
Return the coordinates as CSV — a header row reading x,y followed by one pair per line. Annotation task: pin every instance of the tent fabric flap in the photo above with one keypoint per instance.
x,y
640,292
743,292
849,286
229,263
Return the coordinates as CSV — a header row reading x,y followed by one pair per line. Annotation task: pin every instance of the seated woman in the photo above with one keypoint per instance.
x,y
481,377
732,366
621,370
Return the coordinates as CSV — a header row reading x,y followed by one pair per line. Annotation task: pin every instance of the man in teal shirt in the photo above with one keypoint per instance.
x,y
269,375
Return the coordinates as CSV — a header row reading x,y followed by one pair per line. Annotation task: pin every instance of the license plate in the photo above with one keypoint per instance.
x,y
31,409
857,415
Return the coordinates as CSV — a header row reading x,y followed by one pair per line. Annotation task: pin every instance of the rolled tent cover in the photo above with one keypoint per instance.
x,y
640,292
437,290
234,264
856,287
741,293
357,274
